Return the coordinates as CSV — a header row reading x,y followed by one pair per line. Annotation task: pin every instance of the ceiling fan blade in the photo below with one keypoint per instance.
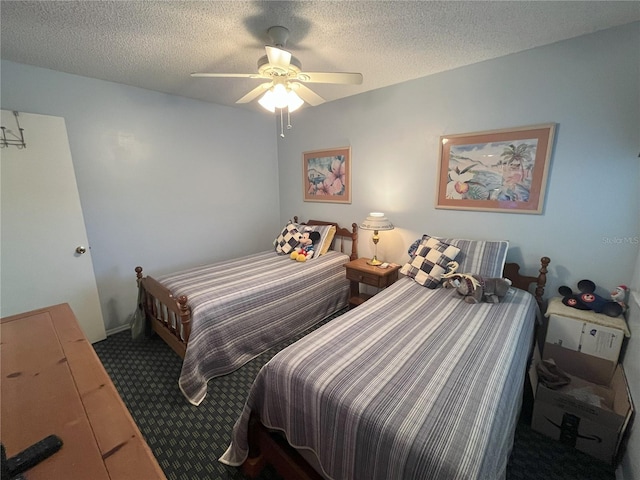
x,y
278,57
256,92
306,94
228,75
345,78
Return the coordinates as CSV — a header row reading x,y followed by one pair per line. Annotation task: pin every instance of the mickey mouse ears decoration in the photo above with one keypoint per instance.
x,y
588,300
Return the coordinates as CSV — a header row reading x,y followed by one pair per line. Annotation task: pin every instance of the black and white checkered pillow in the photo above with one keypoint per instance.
x,y
430,261
288,239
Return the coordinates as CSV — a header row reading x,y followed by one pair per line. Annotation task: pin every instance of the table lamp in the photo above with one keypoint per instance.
x,y
376,221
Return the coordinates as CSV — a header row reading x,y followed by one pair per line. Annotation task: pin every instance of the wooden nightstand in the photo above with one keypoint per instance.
x,y
358,271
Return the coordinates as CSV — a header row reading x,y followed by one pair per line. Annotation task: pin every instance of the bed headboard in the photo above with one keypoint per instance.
x,y
342,235
523,282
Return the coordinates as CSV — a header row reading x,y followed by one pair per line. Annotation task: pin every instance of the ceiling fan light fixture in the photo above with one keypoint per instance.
x,y
294,101
267,101
280,96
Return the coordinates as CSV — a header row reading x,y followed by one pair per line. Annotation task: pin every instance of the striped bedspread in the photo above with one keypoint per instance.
x,y
242,307
413,384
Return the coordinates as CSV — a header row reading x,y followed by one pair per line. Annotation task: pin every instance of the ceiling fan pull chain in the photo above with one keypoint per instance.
x,y
288,120
281,124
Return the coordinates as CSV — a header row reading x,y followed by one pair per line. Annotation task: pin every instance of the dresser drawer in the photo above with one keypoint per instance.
x,y
364,277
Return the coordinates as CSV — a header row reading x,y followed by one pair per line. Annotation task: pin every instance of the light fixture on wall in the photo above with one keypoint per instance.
x,y
376,221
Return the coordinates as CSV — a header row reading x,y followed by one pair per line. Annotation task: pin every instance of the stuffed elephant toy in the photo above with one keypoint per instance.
x,y
476,289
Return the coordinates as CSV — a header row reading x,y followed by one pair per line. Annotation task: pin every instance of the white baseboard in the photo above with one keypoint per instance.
x,y
119,329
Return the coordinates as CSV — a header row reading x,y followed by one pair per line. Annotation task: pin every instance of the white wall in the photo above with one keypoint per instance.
x,y
590,227
165,182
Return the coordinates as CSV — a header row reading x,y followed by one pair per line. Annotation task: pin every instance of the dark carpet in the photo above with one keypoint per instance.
x,y
188,440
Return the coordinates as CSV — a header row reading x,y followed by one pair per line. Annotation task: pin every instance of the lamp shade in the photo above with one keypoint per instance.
x,y
280,99
294,100
267,101
376,221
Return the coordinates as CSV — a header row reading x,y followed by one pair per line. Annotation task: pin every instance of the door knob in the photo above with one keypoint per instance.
x,y
80,250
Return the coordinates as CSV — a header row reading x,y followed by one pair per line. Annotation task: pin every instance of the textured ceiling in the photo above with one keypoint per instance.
x,y
157,44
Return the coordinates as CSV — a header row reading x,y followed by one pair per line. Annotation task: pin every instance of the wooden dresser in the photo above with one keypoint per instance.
x,y
54,383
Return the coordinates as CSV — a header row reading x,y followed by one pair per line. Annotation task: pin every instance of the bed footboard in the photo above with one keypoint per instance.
x,y
169,317
266,447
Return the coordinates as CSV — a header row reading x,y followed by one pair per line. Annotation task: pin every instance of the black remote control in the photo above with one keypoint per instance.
x,y
32,455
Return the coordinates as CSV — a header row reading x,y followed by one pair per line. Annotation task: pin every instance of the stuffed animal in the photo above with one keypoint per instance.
x,y
476,289
619,295
305,248
586,299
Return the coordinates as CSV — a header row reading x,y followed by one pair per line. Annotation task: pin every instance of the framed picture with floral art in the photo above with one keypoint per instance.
x,y
495,171
327,175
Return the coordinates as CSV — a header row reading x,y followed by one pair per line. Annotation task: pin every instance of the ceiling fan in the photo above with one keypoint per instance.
x,y
285,87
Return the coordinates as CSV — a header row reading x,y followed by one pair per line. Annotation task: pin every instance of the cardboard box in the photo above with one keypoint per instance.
x,y
598,345
581,336
572,416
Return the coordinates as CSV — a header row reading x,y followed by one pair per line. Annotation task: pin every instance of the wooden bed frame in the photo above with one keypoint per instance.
x,y
266,447
170,317
523,282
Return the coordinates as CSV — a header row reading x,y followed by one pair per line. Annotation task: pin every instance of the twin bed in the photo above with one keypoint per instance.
x,y
415,383
218,317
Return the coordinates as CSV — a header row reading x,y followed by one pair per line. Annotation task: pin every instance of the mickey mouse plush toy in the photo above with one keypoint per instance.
x,y
305,248
588,300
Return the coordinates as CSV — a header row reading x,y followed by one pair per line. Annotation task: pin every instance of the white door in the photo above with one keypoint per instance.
x,y
42,225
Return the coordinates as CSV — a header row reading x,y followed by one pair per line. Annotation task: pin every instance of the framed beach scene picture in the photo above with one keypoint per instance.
x,y
495,171
327,175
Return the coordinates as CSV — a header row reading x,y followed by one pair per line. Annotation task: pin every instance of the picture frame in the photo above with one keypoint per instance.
x,y
326,175
496,170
